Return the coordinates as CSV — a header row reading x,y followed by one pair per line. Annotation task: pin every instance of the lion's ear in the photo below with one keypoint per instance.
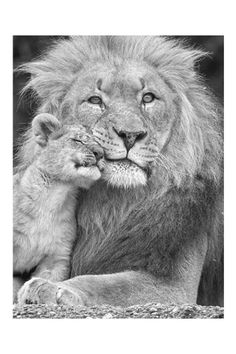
x,y
43,125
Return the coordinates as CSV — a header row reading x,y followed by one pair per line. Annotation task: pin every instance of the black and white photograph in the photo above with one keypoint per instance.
x,y
118,177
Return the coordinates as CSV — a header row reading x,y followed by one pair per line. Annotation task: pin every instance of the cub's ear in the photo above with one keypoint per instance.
x,y
43,125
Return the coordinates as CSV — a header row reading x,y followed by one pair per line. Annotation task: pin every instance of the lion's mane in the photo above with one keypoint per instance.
x,y
188,202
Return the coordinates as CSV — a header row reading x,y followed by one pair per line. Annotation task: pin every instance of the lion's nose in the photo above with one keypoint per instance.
x,y
130,138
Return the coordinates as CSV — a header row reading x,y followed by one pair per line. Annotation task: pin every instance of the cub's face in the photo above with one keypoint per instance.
x,y
131,111
71,154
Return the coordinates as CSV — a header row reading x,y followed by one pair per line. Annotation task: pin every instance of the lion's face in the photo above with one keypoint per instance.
x,y
131,111
143,101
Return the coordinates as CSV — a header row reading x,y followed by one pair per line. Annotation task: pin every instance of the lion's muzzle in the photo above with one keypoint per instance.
x,y
130,137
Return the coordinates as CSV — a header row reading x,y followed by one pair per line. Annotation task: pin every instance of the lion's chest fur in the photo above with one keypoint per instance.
x,y
105,220
103,210
127,230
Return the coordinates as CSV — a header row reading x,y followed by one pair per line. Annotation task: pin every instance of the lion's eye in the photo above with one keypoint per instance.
x,y
148,97
95,100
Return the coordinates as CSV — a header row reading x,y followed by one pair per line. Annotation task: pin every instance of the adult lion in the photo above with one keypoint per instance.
x,y
151,225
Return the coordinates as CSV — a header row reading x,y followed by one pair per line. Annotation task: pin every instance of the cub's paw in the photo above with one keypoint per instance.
x,y
38,291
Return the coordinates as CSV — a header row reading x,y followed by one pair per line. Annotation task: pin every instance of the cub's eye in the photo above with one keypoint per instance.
x,y
77,141
95,100
148,97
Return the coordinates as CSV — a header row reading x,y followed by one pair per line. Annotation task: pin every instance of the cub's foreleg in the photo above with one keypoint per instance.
x,y
17,284
53,268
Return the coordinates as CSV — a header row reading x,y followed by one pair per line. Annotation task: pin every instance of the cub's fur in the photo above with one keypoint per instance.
x,y
45,197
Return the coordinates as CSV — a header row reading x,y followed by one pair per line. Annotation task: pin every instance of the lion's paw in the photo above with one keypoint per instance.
x,y
68,297
38,291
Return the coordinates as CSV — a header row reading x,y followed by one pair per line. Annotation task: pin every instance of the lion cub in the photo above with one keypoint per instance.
x,y
45,197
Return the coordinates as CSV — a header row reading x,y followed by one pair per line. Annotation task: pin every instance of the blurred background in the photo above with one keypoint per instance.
x,y
26,48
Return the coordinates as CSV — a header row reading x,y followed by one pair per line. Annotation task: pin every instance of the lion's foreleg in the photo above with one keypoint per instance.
x,y
136,287
120,289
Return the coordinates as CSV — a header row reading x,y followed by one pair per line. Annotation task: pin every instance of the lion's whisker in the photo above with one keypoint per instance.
x,y
165,162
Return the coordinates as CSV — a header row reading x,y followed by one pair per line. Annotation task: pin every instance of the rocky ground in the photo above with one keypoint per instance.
x,y
109,312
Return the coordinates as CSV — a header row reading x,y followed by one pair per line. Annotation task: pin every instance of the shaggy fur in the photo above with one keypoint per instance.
x,y
166,225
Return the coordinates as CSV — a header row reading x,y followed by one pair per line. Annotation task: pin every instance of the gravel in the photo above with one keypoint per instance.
x,y
110,312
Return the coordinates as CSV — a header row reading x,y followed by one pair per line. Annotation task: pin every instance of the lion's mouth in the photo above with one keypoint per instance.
x,y
127,163
124,173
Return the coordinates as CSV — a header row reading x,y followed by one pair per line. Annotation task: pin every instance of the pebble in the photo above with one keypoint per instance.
x,y
108,316
153,309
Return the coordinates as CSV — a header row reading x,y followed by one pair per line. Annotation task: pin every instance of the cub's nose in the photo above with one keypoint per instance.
x,y
97,150
130,138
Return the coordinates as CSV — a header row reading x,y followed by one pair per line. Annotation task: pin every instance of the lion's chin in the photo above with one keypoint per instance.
x,y
124,173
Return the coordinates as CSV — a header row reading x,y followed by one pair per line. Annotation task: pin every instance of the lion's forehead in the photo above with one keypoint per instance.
x,y
128,76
